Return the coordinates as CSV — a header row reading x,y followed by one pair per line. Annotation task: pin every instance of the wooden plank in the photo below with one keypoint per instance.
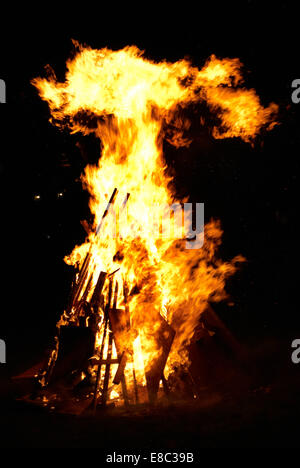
x,y
98,290
124,390
130,347
95,399
121,368
107,370
165,386
103,361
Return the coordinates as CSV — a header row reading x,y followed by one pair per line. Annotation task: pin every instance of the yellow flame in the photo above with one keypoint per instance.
x,y
114,394
132,101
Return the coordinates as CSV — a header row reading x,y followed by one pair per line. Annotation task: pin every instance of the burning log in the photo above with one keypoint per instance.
x,y
127,314
95,399
102,346
84,271
124,390
120,324
110,343
107,369
120,377
163,337
120,370
77,285
82,306
95,301
165,386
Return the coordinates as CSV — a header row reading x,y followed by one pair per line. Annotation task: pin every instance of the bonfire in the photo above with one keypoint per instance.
x,y
146,273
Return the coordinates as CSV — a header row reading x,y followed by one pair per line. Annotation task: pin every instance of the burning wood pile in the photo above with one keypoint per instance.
x,y
142,282
104,327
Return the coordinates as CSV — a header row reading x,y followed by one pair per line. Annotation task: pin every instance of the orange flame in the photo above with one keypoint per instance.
x,y
134,99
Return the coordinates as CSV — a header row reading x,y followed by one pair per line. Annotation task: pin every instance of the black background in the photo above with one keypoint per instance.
x,y
252,190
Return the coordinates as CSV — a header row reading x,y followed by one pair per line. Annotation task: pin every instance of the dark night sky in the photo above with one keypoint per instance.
x,y
252,190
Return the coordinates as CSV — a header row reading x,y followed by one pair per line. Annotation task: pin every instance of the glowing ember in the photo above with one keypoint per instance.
x,y
134,101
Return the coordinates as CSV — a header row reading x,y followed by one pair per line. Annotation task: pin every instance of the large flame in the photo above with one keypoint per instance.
x,y
133,100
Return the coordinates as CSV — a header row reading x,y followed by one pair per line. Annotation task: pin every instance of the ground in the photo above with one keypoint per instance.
x,y
250,409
